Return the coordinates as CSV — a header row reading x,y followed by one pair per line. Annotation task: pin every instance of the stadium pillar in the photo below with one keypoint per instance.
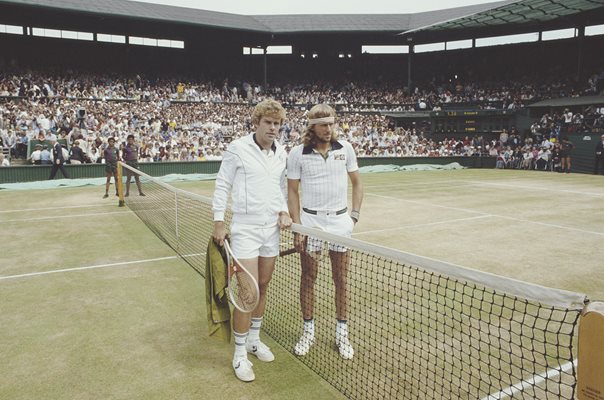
x,y
409,69
581,39
265,69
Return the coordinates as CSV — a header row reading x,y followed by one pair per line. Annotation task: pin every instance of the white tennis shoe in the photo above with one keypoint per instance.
x,y
304,344
260,350
243,369
344,346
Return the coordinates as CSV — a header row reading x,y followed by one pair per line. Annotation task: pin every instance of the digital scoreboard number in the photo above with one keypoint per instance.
x,y
469,125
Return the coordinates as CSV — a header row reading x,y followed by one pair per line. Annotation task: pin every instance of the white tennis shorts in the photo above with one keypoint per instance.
x,y
336,224
251,241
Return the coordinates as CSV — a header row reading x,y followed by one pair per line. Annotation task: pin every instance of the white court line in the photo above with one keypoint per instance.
x,y
487,214
56,208
421,225
570,228
534,381
423,203
481,183
67,216
56,271
413,184
538,188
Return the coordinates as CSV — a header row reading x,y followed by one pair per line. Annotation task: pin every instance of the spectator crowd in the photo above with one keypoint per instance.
x,y
346,95
177,120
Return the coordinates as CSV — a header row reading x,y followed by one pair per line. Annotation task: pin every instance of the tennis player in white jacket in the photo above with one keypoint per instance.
x,y
253,172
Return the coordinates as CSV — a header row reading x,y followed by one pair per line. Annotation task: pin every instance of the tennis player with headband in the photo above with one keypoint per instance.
x,y
253,172
322,165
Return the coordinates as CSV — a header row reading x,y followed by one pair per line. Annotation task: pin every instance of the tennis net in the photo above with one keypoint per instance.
x,y
420,328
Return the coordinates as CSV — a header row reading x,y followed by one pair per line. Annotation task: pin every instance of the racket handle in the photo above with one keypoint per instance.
x,y
287,252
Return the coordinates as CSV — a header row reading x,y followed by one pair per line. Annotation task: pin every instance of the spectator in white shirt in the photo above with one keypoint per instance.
x,y
35,155
3,161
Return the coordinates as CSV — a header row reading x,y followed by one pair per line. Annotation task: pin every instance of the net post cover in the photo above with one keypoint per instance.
x,y
120,186
590,379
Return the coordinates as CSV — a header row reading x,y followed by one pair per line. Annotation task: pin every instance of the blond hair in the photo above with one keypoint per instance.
x,y
270,108
318,111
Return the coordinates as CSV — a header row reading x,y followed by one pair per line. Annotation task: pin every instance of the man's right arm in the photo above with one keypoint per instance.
x,y
224,182
293,199
294,173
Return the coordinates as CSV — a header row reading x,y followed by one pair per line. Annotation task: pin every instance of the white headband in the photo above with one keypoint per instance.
x,y
324,120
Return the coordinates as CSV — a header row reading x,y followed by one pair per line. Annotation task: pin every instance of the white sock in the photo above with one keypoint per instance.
x,y
309,326
342,328
254,336
240,339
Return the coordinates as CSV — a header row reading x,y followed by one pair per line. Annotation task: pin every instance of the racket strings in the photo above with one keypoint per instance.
x,y
242,286
246,294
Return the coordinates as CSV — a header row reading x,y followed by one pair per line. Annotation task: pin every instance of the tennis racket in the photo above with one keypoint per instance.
x,y
242,286
315,250
287,252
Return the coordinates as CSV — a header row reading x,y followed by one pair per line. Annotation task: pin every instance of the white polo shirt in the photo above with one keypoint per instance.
x,y
324,182
256,181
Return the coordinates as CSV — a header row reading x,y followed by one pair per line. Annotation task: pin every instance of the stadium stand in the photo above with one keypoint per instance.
x,y
183,107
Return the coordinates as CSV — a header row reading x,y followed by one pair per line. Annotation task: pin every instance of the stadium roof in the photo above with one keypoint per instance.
x,y
570,102
148,11
365,22
516,12
275,24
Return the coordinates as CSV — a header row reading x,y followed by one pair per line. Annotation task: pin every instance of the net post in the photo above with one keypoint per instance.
x,y
590,367
120,185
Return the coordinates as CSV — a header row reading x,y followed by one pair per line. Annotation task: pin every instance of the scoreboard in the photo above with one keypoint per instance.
x,y
471,122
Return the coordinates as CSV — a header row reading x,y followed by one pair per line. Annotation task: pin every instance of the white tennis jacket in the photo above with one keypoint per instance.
x,y
255,180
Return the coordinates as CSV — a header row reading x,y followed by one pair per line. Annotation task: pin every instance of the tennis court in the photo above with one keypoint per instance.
x,y
133,326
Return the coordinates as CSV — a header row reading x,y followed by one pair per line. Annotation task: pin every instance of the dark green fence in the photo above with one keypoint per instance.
x,y
584,155
470,162
31,145
32,173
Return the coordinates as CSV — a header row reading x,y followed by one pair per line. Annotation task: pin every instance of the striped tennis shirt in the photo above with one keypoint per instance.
x,y
324,181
